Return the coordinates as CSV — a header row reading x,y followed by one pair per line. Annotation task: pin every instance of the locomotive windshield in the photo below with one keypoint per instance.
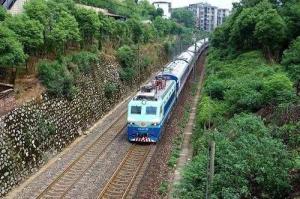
x,y
136,110
151,110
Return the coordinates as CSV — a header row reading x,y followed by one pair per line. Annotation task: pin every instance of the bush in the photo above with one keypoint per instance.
x,y
244,94
277,89
57,78
126,56
249,163
127,74
84,61
215,87
289,134
110,89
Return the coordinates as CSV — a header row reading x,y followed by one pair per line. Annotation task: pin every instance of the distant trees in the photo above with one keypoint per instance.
x,y
258,24
184,16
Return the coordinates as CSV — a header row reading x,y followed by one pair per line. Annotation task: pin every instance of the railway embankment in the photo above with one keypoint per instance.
x,y
38,130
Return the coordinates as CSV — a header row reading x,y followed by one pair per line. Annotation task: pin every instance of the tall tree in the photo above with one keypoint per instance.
x,y
64,31
89,23
11,51
270,32
29,32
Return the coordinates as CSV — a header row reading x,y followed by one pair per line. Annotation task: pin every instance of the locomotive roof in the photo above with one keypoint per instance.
x,y
154,94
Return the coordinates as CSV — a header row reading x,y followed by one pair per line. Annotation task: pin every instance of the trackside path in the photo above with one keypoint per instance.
x,y
186,149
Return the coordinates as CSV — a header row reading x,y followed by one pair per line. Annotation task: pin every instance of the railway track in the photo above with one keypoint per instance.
x,y
75,171
123,178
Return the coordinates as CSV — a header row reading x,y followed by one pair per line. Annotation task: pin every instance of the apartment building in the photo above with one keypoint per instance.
x,y
208,17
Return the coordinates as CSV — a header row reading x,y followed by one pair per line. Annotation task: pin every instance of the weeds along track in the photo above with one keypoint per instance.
x,y
125,175
63,183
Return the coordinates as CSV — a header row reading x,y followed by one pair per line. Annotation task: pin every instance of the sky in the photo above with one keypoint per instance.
x,y
218,3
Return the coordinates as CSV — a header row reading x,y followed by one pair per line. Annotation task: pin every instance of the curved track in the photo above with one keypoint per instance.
x,y
74,172
120,183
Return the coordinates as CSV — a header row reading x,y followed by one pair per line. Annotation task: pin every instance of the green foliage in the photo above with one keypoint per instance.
x,y
38,10
209,112
57,78
248,163
3,13
29,32
82,62
110,89
127,74
11,52
64,31
289,134
244,94
126,56
277,89
163,188
291,61
136,29
270,30
184,16
257,24
89,23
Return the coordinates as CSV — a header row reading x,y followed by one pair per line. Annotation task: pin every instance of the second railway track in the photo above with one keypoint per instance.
x,y
125,175
63,183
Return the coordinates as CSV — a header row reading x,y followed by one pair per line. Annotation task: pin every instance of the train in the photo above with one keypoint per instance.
x,y
150,108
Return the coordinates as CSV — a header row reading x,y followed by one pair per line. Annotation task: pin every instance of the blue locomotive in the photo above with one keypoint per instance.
x,y
151,106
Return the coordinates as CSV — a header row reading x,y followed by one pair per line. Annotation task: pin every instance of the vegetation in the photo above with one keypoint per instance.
x,y
246,106
184,16
54,28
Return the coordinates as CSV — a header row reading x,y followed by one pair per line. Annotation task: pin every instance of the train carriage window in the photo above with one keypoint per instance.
x,y
136,110
151,110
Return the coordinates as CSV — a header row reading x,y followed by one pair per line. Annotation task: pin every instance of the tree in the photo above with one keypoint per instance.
x,y
3,14
28,31
291,13
184,16
38,10
11,51
291,61
89,23
136,29
270,31
64,31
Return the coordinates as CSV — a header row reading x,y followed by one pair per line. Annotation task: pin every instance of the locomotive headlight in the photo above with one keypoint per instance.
x,y
155,124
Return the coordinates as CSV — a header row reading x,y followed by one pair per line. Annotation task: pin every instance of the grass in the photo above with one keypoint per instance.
x,y
176,148
163,188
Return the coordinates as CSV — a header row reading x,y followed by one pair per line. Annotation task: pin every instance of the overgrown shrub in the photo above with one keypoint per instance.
x,y
110,89
127,56
57,78
277,89
127,74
